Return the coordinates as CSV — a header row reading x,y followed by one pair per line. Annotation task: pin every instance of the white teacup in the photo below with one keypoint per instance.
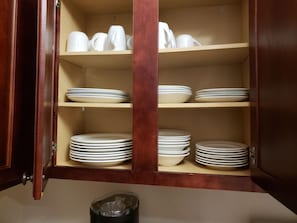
x,y
186,40
116,38
77,42
98,41
166,37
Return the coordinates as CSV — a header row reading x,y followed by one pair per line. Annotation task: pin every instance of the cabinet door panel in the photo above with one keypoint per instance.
x,y
17,80
46,51
275,67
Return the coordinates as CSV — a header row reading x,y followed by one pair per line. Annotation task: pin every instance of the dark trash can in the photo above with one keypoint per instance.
x,y
117,208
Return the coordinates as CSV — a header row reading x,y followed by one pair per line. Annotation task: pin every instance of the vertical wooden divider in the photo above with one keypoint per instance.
x,y
145,85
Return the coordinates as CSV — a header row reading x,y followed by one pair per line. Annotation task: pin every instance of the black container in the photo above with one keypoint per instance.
x,y
117,208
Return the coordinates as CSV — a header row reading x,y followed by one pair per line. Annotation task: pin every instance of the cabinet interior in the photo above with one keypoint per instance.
x,y
222,61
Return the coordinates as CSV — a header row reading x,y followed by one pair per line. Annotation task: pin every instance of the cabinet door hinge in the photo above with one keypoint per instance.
x,y
54,147
58,3
253,156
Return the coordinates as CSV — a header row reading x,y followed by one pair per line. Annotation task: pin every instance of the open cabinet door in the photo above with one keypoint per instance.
x,y
273,93
17,82
46,51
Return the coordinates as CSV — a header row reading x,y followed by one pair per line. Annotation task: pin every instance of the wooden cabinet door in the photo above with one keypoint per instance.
x,y
46,56
17,85
274,90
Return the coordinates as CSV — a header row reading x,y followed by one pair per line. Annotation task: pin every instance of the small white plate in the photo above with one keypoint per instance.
x,y
222,165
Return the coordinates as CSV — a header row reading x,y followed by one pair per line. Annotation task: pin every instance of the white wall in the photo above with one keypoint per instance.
x,y
68,202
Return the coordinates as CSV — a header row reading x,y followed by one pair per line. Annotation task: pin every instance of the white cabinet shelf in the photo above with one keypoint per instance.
x,y
186,57
169,105
203,55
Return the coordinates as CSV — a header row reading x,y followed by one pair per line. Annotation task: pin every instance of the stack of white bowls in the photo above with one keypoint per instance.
x,y
173,146
97,95
174,93
101,149
222,154
222,95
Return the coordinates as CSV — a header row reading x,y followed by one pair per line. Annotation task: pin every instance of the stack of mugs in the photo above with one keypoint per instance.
x,y
116,40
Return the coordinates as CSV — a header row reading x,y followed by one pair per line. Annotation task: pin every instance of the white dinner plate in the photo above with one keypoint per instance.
x,y
105,163
115,153
98,99
101,145
101,158
221,154
221,164
101,138
221,94
217,144
223,89
221,98
100,149
96,90
215,161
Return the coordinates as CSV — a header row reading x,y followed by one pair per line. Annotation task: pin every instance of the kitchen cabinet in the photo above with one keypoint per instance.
x,y
17,85
234,53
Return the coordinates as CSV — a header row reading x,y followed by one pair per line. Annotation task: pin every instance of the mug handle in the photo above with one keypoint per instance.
x,y
92,42
171,40
197,42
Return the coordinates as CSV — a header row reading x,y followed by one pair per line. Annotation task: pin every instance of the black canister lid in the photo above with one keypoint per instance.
x,y
116,205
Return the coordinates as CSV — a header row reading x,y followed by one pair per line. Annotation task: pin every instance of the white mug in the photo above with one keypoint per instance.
x,y
116,38
166,37
186,40
98,41
77,42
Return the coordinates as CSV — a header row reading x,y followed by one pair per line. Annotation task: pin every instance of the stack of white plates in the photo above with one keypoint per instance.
x,y
99,95
174,93
101,149
222,95
222,154
173,146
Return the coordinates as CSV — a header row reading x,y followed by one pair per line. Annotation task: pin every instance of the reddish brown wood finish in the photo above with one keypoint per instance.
x,y
7,63
46,54
157,178
145,85
275,65
21,63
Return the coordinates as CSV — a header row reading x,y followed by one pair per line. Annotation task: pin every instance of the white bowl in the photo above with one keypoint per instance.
x,y
176,147
173,97
173,152
170,160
